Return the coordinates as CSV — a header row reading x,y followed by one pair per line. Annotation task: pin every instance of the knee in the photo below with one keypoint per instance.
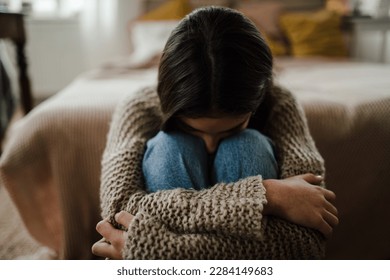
x,y
172,142
249,143
253,135
167,159
254,149
166,147
248,139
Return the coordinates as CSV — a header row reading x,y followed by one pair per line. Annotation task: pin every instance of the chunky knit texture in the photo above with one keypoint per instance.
x,y
221,222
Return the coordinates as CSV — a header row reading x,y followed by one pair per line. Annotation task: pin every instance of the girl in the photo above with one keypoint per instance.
x,y
216,120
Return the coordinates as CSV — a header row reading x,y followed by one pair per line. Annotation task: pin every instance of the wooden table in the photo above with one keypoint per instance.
x,y
12,28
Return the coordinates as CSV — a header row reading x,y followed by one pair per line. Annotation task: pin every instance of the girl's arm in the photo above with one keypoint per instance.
x,y
297,198
149,238
286,125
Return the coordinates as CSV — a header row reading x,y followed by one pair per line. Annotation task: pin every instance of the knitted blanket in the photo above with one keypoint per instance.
x,y
222,222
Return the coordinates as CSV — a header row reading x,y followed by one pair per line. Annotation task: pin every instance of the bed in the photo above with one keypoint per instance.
x,y
51,163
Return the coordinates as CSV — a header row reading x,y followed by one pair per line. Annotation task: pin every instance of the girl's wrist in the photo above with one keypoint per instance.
x,y
271,208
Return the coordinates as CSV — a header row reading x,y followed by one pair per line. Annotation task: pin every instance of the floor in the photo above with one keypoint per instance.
x,y
15,241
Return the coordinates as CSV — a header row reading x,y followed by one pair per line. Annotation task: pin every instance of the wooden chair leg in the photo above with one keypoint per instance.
x,y
25,90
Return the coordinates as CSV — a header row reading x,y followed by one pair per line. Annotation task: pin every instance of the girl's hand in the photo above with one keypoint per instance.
x,y
300,200
113,241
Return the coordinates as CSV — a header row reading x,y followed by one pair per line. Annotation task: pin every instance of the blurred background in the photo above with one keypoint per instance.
x,y
67,37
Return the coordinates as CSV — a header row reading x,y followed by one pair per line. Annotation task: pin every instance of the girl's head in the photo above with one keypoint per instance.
x,y
215,63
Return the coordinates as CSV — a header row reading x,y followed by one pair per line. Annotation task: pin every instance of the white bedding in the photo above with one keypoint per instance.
x,y
344,81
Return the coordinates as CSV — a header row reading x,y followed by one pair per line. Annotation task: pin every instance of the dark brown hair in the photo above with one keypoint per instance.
x,y
214,62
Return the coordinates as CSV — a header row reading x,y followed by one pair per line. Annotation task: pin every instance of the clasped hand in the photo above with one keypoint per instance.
x,y
113,241
300,199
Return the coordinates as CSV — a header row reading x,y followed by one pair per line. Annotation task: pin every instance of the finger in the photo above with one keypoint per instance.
x,y
331,219
124,218
325,228
107,230
329,195
312,179
104,249
331,208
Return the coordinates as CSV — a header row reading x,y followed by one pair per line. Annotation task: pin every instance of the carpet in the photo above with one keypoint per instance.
x,y
15,241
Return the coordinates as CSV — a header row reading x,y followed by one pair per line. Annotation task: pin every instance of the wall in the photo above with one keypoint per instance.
x,y
59,49
54,54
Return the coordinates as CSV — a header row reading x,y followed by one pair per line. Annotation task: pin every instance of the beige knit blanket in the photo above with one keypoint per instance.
x,y
222,222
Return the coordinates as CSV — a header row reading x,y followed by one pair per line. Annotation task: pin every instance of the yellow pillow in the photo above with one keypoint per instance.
x,y
170,10
314,33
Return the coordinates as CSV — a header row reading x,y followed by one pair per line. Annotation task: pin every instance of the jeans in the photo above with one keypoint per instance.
x,y
180,160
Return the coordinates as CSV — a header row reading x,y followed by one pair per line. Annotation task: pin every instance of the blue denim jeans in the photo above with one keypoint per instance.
x,y
180,160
